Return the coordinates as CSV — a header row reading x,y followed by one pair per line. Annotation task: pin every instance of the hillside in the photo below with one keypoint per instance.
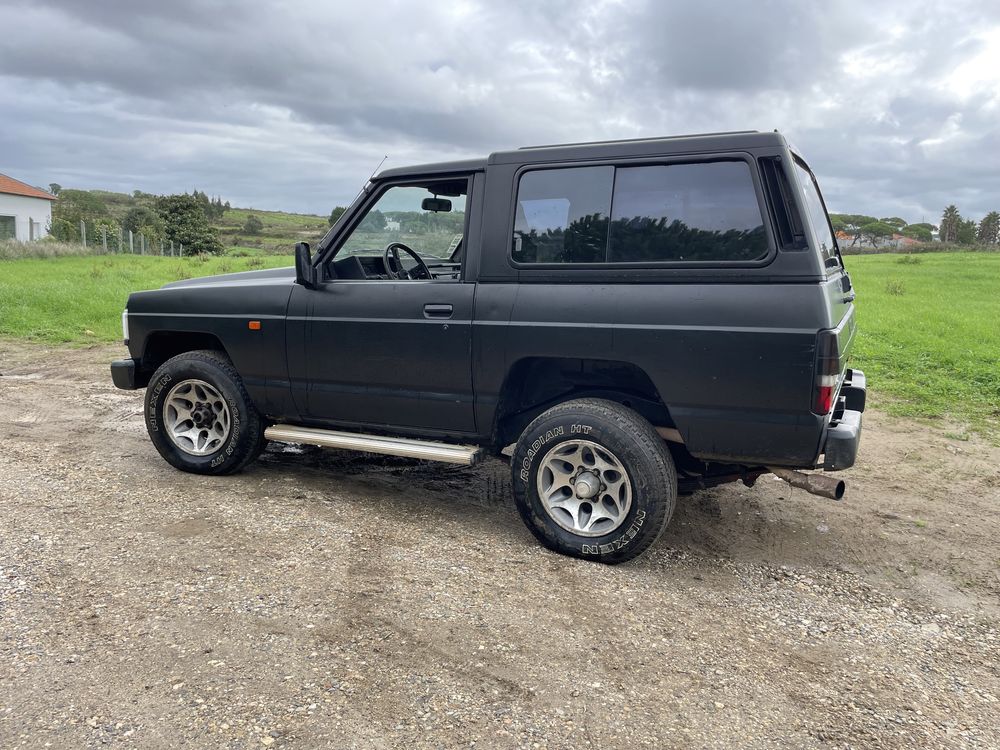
x,y
278,233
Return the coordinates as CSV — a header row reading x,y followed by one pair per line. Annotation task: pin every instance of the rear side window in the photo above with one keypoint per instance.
x,y
650,214
562,215
684,212
817,215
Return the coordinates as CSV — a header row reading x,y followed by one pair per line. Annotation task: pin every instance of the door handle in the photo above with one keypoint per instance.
x,y
437,311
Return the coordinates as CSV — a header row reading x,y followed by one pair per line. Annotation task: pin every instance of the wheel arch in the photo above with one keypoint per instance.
x,y
161,345
535,384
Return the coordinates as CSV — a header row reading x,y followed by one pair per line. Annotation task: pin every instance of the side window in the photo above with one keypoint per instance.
x,y
686,212
652,214
562,215
817,215
399,216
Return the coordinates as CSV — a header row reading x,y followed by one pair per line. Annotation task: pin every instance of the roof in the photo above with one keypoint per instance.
x,y
10,186
731,141
443,167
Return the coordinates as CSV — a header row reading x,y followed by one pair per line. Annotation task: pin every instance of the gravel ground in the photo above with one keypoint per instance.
x,y
329,599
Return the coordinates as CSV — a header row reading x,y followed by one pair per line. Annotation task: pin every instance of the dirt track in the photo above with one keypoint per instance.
x,y
326,599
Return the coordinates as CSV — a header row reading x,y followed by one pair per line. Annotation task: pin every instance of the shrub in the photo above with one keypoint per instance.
x,y
894,287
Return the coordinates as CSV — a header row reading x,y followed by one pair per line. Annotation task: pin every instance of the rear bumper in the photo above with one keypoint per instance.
x,y
843,436
123,374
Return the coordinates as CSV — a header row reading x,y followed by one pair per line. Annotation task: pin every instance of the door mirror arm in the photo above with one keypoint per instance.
x,y
305,272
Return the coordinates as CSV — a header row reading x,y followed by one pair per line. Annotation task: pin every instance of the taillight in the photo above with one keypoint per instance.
x,y
827,371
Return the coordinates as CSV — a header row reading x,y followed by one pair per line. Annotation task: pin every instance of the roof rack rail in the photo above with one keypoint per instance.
x,y
635,140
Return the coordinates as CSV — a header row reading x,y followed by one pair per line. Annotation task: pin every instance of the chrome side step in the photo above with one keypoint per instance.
x,y
466,455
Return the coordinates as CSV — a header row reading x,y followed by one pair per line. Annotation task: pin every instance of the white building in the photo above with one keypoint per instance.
x,y
25,211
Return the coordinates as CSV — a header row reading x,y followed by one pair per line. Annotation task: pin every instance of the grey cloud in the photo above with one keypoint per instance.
x,y
291,106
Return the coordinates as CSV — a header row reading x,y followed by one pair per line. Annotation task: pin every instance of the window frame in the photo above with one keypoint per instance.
x,y
703,158
13,219
798,163
371,199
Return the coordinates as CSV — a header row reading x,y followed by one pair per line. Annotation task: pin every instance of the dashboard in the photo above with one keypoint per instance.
x,y
372,268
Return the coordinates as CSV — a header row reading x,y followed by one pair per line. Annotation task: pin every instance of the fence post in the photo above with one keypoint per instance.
x,y
182,249
104,239
83,232
131,242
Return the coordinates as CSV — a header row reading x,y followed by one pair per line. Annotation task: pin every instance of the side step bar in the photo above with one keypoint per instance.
x,y
467,455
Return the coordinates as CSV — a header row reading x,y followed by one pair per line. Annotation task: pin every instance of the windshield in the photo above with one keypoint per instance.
x,y
817,216
398,216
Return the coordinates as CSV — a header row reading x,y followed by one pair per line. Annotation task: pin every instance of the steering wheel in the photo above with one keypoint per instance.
x,y
392,249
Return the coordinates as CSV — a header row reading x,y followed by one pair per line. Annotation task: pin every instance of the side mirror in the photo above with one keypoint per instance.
x,y
305,274
437,205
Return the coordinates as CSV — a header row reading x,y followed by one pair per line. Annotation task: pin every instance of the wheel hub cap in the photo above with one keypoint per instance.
x,y
584,488
587,485
196,417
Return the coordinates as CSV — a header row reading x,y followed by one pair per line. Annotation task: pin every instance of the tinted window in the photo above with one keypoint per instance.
x,y
685,212
817,214
562,215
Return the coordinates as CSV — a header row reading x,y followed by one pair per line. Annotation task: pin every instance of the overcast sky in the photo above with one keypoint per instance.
x,y
291,105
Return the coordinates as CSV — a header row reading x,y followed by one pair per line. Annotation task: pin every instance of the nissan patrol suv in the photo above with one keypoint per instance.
x,y
636,319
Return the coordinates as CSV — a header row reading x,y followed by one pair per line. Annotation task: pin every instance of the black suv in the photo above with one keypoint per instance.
x,y
637,318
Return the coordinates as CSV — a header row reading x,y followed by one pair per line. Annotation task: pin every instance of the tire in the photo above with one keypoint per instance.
x,y
615,521
207,380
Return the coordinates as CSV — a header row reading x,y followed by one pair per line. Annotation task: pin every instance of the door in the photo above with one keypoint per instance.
x,y
392,352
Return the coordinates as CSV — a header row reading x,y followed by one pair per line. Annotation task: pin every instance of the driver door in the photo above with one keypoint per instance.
x,y
383,352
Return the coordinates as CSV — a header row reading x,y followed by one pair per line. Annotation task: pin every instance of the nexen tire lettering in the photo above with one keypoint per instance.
x,y
155,400
620,542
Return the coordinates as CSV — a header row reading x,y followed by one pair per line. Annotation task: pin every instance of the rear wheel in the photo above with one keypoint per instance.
x,y
200,417
593,479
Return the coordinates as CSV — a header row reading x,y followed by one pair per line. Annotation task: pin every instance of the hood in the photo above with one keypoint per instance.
x,y
243,278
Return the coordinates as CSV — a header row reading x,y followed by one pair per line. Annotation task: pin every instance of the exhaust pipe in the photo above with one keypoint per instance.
x,y
816,484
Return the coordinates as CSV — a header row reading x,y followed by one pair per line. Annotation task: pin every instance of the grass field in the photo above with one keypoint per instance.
x,y
79,300
929,336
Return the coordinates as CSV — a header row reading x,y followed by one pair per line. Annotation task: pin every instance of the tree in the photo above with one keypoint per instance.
x,y
967,232
895,222
917,232
335,215
186,223
851,224
54,188
253,225
143,220
950,221
73,207
373,222
875,231
989,229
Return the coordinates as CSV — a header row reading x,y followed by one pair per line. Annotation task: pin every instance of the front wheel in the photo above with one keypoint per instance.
x,y
593,479
200,417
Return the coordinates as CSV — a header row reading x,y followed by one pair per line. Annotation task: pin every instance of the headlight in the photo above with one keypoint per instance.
x,y
125,325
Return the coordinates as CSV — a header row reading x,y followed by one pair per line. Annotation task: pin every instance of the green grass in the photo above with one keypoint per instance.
x,y
79,300
929,334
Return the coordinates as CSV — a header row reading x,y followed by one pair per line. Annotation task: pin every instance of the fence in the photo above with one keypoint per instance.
x,y
111,238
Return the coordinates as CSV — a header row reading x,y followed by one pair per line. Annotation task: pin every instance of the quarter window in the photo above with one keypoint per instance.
x,y
817,215
651,214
